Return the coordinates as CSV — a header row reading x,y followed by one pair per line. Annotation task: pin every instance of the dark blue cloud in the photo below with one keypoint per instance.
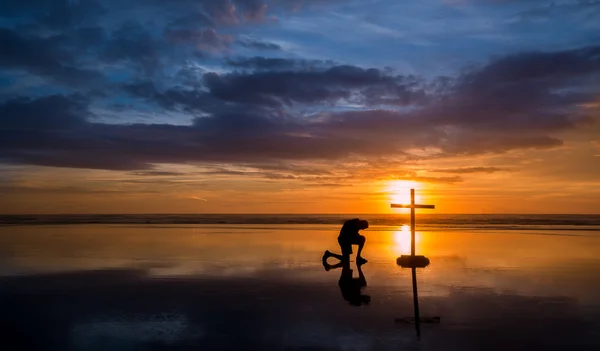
x,y
254,90
133,44
48,113
55,14
309,85
258,44
44,57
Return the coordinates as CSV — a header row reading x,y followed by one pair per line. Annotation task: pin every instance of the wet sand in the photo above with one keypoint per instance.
x,y
264,287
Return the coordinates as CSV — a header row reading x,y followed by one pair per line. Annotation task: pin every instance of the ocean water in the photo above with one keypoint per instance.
x,y
472,221
258,283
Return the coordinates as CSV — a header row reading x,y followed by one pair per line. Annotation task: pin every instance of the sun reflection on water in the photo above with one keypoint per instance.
x,y
402,239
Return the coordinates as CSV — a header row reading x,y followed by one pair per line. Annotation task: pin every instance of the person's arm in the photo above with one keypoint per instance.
x,y
355,226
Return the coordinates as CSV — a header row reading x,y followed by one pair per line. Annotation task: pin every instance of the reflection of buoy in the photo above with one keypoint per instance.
x,y
409,261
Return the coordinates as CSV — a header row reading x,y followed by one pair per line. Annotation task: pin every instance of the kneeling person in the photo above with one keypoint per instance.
x,y
349,236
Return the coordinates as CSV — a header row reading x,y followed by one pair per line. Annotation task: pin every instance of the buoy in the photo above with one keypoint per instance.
x,y
410,261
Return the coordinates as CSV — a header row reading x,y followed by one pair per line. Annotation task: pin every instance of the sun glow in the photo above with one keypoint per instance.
x,y
399,191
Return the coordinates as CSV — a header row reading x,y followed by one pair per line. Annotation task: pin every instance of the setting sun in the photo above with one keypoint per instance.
x,y
399,191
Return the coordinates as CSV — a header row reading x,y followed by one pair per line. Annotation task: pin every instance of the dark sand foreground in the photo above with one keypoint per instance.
x,y
265,288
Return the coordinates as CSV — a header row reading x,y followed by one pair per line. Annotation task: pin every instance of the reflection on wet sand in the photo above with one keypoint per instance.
x,y
144,288
128,309
350,287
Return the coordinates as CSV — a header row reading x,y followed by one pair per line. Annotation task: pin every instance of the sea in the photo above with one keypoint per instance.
x,y
264,282
430,221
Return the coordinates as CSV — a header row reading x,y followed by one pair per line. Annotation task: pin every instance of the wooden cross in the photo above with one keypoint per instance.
x,y
414,262
412,207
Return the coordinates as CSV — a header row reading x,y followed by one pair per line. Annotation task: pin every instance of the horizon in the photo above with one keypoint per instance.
x,y
406,213
299,106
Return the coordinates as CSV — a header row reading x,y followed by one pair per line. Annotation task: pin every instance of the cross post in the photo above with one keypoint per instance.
x,y
412,207
414,261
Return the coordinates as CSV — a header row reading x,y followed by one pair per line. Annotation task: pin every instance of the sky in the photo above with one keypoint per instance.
x,y
299,106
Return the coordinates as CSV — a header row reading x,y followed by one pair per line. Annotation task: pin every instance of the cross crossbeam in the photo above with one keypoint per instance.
x,y
412,206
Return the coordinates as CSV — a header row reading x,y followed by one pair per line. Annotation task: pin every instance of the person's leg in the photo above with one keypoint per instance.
x,y
339,257
361,276
362,282
361,243
329,267
346,247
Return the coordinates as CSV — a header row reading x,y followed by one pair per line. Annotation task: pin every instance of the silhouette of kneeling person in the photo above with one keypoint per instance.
x,y
349,286
349,236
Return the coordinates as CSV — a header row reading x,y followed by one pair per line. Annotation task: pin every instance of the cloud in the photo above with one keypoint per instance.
x,y
285,65
53,190
157,173
61,14
586,9
424,179
258,44
469,170
253,10
596,143
43,57
311,84
132,43
263,63
279,176
266,110
50,113
523,93
326,185
53,14
206,39
210,40
72,42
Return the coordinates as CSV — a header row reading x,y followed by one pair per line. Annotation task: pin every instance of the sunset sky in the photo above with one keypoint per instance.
x,y
299,106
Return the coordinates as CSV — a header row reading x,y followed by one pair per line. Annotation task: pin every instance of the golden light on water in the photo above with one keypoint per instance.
x,y
399,191
402,239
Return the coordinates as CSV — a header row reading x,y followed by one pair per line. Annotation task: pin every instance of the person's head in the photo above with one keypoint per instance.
x,y
363,224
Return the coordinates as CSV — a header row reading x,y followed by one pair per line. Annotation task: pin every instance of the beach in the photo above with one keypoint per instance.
x,y
244,175
263,286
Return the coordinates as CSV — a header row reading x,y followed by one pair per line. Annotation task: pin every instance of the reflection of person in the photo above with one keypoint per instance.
x,y
349,236
349,286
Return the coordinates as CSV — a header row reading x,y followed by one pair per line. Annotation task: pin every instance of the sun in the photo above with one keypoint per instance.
x,y
399,191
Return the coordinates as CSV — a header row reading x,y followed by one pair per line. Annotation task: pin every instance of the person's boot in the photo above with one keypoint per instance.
x,y
360,260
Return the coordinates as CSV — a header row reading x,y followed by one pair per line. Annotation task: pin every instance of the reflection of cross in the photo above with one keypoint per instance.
x,y
412,207
414,262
